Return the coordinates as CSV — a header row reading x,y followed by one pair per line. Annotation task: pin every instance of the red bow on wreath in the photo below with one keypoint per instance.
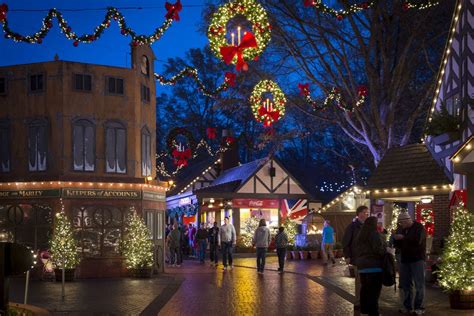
x,y
304,89
211,132
270,116
3,11
363,91
229,140
181,157
229,52
173,10
429,228
308,3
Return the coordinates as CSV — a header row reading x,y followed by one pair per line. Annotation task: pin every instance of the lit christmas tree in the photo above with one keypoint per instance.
x,y
137,245
457,266
291,231
250,225
63,246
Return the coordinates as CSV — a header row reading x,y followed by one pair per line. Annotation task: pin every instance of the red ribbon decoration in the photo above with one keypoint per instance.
x,y
211,132
173,10
308,3
3,11
229,52
363,91
273,115
304,89
229,140
181,157
230,78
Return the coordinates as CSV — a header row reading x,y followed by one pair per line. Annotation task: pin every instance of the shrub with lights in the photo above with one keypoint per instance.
x,y
290,230
63,246
250,225
137,245
457,266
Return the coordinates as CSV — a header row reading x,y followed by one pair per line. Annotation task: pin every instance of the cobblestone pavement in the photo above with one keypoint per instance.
x,y
197,289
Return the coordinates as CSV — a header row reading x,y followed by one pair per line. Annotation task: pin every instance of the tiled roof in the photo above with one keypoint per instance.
x,y
189,173
232,178
411,165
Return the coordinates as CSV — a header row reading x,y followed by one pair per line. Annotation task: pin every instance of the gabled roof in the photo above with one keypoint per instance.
x,y
230,180
188,174
407,166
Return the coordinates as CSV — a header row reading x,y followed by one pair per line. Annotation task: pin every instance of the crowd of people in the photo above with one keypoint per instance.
x,y
364,245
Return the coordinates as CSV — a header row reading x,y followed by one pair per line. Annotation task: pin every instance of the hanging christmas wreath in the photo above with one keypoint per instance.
x,y
427,219
267,111
252,44
178,151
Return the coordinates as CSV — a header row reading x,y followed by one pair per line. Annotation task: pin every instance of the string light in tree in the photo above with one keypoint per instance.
x,y
251,45
229,81
267,111
334,97
137,244
63,246
340,14
112,14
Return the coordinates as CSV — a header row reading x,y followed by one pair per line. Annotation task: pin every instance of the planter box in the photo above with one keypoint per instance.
x,y
303,255
142,273
288,255
68,275
461,299
294,254
446,138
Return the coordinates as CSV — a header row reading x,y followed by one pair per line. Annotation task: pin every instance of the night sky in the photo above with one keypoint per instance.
x,y
112,48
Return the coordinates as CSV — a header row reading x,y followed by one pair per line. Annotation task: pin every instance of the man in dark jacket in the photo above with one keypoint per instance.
x,y
412,243
348,244
213,235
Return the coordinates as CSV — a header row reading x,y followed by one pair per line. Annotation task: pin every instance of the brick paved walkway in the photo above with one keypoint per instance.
x,y
194,289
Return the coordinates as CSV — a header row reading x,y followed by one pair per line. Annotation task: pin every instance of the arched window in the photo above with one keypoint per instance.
x,y
83,145
145,66
5,149
115,147
37,145
146,152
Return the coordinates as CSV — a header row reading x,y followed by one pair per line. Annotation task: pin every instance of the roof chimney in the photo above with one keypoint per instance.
x,y
230,157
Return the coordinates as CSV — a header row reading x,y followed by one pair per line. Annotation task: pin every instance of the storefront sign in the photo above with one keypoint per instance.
x,y
153,196
255,203
377,211
29,194
101,194
184,201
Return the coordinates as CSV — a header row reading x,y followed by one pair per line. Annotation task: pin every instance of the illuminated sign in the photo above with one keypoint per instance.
x,y
29,194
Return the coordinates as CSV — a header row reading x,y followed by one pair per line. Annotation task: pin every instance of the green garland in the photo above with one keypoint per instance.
x,y
259,111
229,80
334,97
255,14
112,14
340,14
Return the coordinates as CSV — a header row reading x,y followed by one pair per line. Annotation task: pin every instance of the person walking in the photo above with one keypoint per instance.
x,y
191,235
213,235
411,239
370,248
227,240
281,242
261,240
173,244
327,243
201,238
348,245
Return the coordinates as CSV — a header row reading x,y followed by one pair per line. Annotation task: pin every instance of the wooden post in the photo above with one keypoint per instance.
x,y
27,283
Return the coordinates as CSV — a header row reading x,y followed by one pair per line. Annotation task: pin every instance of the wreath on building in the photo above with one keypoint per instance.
x,y
252,44
267,111
427,220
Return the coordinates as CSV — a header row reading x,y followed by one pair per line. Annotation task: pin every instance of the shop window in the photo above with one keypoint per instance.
x,y
453,105
83,142
82,82
28,224
115,86
146,152
5,146
150,223
37,83
145,66
37,145
99,229
115,147
3,85
145,93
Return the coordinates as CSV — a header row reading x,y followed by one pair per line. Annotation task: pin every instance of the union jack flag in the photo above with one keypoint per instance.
x,y
294,209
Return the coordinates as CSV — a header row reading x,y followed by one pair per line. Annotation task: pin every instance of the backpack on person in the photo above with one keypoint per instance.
x,y
388,270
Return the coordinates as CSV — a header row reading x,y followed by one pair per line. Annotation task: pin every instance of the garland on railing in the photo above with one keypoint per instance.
x,y
333,97
112,14
340,14
229,81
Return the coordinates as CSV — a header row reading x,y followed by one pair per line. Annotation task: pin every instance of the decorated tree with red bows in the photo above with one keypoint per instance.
x,y
371,73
